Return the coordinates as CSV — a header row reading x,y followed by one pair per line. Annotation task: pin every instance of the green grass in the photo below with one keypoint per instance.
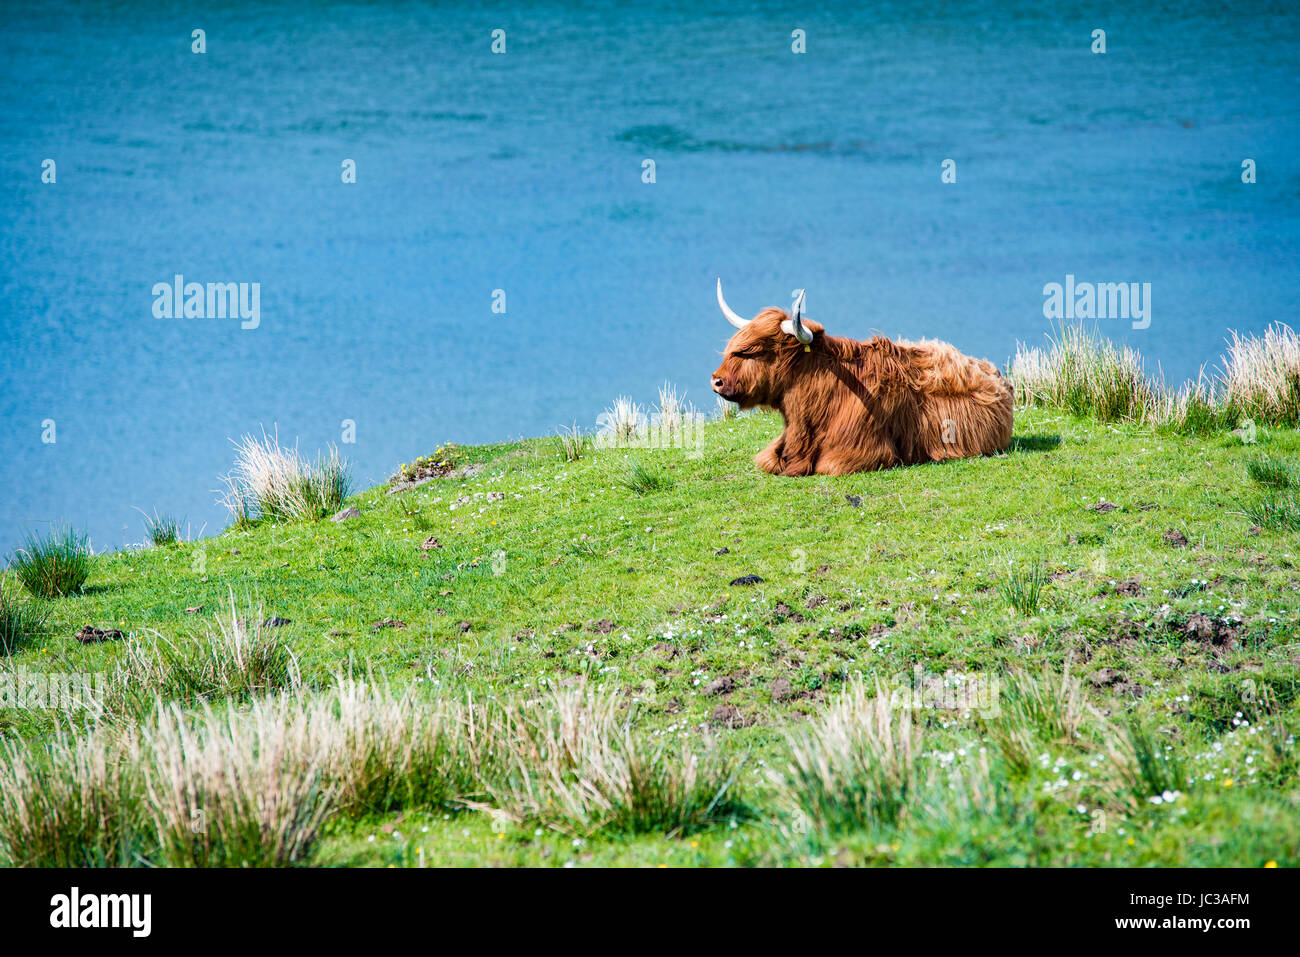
x,y
556,587
318,493
162,529
1273,472
234,659
53,565
20,620
643,479
274,483
1023,588
1275,510
1153,769
572,443
856,768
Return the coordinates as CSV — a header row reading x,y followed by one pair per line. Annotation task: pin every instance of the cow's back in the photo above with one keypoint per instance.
x,y
965,405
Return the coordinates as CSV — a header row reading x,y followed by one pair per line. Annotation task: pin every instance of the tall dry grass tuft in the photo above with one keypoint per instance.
x,y
233,785
382,751
1084,373
572,443
252,784
622,421
855,767
672,411
220,788
672,422
235,658
232,788
1192,409
568,762
69,802
1261,376
275,482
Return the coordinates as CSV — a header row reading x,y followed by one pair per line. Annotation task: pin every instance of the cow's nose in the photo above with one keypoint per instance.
x,y
717,382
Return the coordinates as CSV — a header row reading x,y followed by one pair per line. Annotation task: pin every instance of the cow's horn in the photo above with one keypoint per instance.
x,y
794,325
732,318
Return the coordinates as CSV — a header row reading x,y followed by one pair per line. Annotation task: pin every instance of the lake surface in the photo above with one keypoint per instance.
x,y
523,172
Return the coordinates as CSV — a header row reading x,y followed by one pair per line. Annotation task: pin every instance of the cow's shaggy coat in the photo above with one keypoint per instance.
x,y
854,406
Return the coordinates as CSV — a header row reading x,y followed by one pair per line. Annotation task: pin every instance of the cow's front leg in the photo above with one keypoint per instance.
x,y
800,465
846,460
796,453
769,460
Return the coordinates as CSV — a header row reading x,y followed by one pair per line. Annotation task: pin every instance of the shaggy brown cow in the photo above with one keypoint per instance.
x,y
854,406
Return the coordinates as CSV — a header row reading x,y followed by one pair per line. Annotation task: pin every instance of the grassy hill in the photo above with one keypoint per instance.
x,y
1083,651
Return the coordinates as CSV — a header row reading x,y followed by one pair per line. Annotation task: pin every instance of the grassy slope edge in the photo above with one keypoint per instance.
x,y
551,573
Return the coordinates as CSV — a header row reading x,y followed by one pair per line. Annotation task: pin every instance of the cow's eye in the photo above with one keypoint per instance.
x,y
749,354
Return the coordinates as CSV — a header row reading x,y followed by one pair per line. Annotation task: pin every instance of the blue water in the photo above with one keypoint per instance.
x,y
523,172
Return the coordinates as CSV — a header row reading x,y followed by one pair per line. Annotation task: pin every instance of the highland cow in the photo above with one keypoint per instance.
x,y
853,406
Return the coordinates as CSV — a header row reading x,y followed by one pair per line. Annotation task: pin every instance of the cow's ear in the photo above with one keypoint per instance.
x,y
787,326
